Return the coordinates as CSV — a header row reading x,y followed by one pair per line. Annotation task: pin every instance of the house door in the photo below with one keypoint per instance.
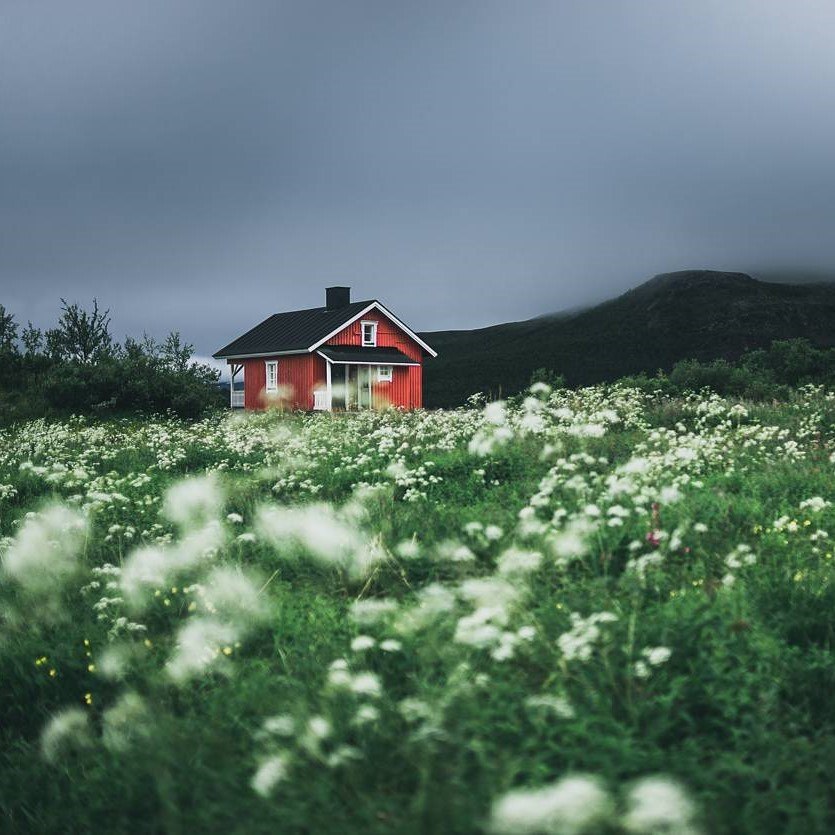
x,y
364,381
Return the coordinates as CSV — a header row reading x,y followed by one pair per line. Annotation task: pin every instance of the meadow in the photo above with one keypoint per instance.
x,y
603,610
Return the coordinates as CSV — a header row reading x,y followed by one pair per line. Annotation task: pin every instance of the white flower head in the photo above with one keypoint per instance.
x,y
233,596
321,534
515,561
569,807
656,656
270,773
126,722
66,731
44,553
658,804
193,502
362,643
200,644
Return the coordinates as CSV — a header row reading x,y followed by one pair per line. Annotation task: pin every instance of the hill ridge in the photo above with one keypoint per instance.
x,y
698,314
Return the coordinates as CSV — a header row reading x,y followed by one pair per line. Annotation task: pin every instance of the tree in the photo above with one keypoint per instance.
x,y
177,354
82,336
8,333
32,339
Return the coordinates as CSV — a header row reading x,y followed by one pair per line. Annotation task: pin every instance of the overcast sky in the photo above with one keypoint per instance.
x,y
199,165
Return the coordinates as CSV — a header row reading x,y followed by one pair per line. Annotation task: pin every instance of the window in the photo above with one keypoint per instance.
x,y
369,333
272,375
384,373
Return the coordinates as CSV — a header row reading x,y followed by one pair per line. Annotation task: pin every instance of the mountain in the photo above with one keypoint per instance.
x,y
698,314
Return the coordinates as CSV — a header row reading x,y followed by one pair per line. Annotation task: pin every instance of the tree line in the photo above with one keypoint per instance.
x,y
761,374
78,367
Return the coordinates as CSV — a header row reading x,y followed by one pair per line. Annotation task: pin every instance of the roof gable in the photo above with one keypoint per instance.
x,y
305,330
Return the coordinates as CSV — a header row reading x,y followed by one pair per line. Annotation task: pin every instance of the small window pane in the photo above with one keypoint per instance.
x,y
272,375
369,333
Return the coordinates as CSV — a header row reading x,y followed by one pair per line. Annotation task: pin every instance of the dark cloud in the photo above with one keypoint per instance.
x,y
197,165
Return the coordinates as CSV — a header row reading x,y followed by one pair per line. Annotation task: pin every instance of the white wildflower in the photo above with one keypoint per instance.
x,y
199,646
571,806
366,684
233,596
515,561
44,553
656,656
193,502
362,643
126,722
269,774
66,731
658,804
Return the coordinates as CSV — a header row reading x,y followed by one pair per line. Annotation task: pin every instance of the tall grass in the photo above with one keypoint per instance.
x,y
592,611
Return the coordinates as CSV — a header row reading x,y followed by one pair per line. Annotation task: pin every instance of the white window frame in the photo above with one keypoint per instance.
x,y
373,325
271,365
384,373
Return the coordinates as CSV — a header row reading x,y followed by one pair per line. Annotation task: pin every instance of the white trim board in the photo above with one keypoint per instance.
x,y
299,351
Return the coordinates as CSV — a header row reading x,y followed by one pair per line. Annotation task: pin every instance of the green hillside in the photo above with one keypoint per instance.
x,y
699,314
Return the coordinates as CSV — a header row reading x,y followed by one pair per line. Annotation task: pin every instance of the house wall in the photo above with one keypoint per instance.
x,y
298,375
406,387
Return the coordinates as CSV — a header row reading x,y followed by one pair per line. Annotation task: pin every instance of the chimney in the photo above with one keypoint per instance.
x,y
336,297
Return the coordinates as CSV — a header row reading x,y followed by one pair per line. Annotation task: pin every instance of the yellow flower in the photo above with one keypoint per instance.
x,y
148,643
88,697
91,668
227,650
53,673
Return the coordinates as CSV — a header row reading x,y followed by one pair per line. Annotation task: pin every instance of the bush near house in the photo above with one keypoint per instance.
x,y
77,367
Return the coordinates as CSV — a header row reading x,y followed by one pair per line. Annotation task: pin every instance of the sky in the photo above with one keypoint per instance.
x,y
199,164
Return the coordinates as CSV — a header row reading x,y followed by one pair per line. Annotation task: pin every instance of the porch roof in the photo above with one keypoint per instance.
x,y
351,355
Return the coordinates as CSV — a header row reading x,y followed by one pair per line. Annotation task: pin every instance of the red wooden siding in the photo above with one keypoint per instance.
x,y
300,374
389,335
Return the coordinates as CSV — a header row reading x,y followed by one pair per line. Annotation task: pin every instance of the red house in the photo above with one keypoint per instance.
x,y
345,355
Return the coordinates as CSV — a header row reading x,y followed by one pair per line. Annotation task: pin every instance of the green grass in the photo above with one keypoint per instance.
x,y
741,714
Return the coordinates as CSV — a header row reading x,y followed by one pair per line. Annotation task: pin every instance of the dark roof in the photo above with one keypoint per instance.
x,y
377,356
293,331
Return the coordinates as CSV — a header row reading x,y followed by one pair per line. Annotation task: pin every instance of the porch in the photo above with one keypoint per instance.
x,y
236,395
351,375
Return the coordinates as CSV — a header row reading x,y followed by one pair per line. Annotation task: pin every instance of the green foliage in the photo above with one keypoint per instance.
x,y
76,367
729,504
8,333
549,377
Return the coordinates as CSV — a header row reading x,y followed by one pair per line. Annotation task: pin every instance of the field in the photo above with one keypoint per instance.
x,y
582,611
